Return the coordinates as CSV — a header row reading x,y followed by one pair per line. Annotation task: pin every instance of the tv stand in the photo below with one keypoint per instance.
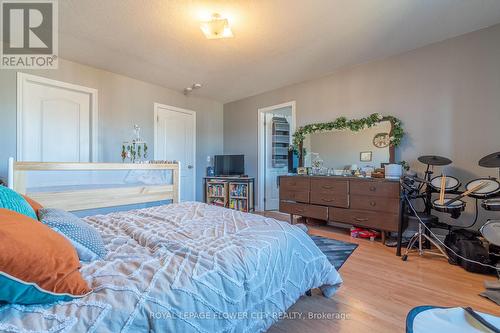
x,y
234,192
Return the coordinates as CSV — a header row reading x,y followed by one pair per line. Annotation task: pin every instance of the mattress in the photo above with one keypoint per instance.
x,y
187,267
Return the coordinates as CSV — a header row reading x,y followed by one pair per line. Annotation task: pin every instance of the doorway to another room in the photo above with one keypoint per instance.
x,y
175,140
276,127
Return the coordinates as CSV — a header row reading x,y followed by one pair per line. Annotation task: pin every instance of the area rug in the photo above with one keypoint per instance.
x,y
336,251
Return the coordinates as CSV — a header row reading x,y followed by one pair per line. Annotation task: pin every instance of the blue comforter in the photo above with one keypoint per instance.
x,y
186,267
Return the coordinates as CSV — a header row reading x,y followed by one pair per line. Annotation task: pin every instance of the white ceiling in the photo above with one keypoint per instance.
x,y
276,43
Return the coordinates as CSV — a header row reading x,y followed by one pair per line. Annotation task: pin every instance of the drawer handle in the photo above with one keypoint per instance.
x,y
373,188
326,200
359,219
298,211
327,187
293,183
373,203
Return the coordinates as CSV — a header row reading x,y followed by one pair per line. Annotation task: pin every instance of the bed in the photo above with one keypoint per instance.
x,y
186,267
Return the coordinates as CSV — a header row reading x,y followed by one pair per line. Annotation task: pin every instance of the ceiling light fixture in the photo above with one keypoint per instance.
x,y
189,90
216,28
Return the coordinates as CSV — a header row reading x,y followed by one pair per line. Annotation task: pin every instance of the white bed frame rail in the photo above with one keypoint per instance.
x,y
74,200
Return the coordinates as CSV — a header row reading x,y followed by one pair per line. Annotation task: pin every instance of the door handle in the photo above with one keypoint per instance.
x,y
190,166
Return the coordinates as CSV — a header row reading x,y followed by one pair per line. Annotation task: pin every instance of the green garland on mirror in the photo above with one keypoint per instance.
x,y
355,125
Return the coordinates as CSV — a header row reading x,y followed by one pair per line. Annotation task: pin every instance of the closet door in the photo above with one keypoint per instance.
x,y
175,139
55,121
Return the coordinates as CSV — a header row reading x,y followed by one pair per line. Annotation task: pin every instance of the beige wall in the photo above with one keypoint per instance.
x,y
447,95
123,102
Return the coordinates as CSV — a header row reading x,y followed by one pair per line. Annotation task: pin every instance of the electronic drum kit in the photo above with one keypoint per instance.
x,y
450,196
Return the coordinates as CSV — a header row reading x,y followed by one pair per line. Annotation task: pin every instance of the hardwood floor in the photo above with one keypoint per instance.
x,y
379,289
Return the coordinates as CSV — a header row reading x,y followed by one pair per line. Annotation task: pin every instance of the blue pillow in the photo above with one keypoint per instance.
x,y
14,201
19,292
85,238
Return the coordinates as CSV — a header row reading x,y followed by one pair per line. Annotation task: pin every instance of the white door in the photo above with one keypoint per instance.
x,y
175,139
55,121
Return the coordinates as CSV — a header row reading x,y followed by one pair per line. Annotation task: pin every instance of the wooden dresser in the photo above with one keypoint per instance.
x,y
365,202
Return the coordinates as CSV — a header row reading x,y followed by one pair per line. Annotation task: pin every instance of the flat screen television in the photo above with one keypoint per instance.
x,y
229,165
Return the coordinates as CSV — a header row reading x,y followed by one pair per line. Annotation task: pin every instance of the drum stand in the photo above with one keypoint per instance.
x,y
422,233
419,236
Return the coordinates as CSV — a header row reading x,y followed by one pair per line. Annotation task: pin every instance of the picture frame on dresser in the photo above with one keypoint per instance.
x,y
365,156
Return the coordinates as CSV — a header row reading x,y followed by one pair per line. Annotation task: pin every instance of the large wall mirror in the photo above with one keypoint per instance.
x,y
366,142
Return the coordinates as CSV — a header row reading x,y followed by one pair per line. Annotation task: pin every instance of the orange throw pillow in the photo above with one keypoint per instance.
x,y
32,252
35,205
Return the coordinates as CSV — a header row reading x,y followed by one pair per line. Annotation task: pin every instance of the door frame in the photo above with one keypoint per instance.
x,y
23,78
261,177
155,148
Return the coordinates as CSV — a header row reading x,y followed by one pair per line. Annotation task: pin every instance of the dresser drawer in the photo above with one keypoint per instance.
x,y
384,189
339,186
330,199
375,203
330,192
317,212
364,218
300,196
296,183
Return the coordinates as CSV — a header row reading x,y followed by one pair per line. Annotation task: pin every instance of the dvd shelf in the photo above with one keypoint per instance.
x,y
216,193
238,204
216,190
238,190
230,192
